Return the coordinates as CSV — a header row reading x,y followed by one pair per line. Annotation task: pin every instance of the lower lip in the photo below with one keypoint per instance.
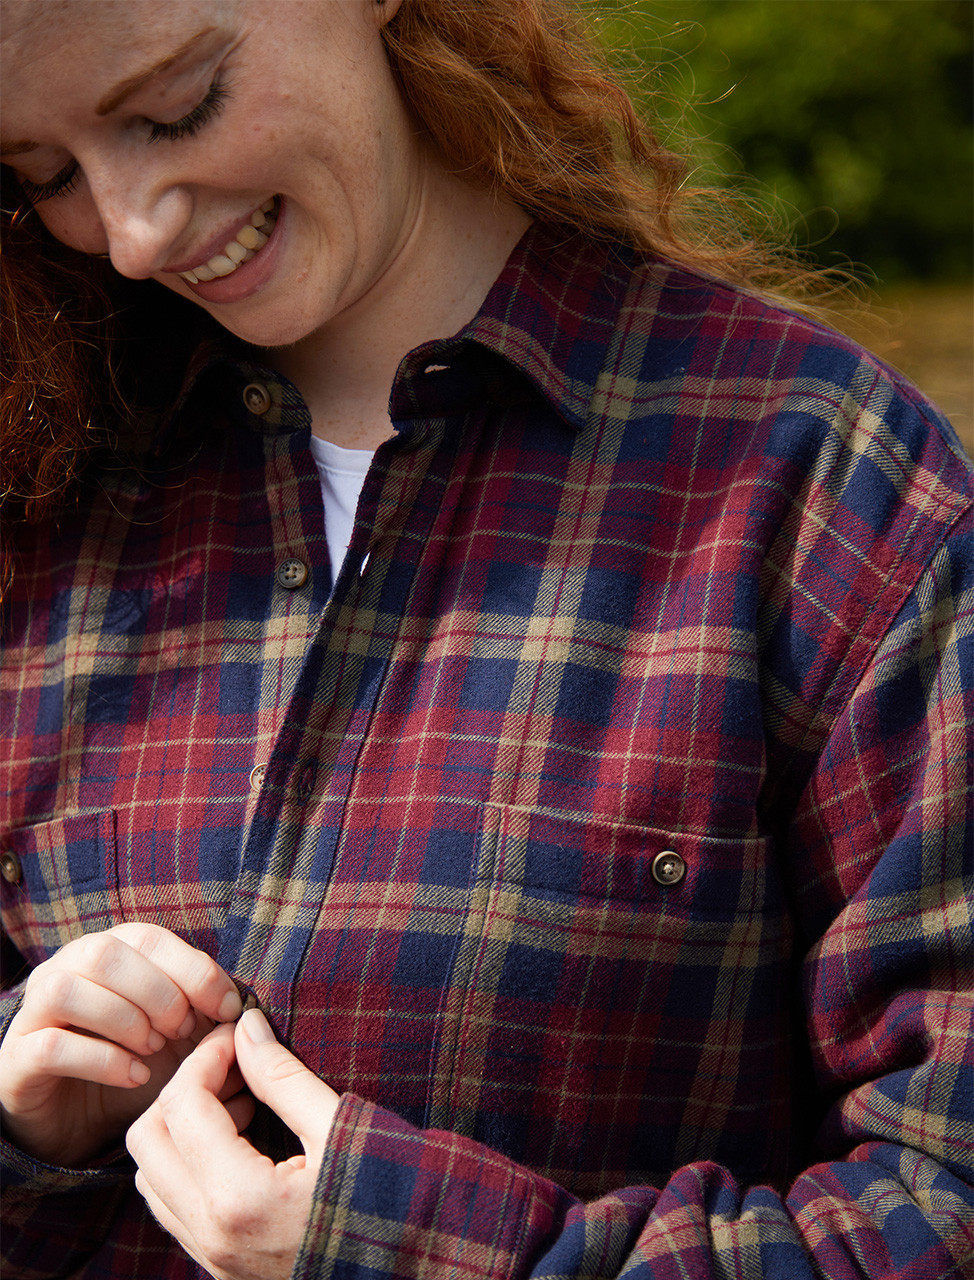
x,y
249,276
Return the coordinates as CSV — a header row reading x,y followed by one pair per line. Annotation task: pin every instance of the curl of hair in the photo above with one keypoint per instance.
x,y
53,375
519,99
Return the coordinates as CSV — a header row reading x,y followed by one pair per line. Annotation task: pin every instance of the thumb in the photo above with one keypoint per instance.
x,y
274,1075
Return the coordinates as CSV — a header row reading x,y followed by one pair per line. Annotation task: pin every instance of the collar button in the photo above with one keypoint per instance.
x,y
257,398
10,868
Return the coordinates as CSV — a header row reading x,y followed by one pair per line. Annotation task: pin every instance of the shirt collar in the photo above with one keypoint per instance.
x,y
552,313
549,316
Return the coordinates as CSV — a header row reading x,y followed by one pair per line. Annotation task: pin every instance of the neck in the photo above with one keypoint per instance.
x,y
458,244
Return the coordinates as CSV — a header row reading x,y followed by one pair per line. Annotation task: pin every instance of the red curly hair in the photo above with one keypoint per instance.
x,y
516,98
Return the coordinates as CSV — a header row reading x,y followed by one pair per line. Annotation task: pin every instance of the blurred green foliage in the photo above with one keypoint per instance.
x,y
854,116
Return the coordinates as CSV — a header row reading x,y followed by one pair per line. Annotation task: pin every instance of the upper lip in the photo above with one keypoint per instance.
x,y
215,244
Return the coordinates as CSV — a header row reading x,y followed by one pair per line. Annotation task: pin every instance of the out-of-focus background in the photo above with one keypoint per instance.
x,y
853,120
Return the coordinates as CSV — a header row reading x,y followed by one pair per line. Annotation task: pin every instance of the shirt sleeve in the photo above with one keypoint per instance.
x,y
880,854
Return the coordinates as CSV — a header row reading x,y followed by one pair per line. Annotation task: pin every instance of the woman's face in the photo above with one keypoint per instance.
x,y
253,156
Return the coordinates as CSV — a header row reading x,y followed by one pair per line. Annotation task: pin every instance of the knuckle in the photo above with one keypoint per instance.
x,y
98,954
139,934
284,1068
46,1046
231,1218
133,1137
220,1251
167,1100
58,987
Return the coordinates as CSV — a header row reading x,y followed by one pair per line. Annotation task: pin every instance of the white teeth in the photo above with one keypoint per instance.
x,y
249,239
220,264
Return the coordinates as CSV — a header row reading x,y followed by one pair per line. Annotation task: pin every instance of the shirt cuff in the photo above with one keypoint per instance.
x,y
28,1174
394,1200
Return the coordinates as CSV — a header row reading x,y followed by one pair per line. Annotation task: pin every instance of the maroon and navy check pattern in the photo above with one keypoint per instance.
x,y
649,565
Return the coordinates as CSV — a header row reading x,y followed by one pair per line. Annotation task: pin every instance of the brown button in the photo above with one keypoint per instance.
x,y
668,868
257,776
292,573
10,868
247,997
257,398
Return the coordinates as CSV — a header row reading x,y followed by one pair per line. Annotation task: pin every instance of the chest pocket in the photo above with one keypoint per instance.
x,y
60,881
605,997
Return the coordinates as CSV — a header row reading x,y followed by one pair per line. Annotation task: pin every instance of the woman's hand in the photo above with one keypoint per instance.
x,y
241,1216
103,1026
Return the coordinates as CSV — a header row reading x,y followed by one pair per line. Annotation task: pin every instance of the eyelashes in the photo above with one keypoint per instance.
x,y
194,120
63,183
59,185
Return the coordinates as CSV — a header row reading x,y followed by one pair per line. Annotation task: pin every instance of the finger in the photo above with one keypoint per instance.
x,y
207,987
107,961
55,1052
64,998
274,1075
190,1108
152,969
188,1128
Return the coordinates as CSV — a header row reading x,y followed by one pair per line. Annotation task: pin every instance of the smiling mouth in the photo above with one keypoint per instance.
x,y
247,243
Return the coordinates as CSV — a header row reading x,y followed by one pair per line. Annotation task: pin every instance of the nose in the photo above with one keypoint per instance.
x,y
141,217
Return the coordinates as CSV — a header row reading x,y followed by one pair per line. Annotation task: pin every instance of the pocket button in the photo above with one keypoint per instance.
x,y
668,868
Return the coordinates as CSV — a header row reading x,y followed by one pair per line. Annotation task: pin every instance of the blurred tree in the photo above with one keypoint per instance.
x,y
855,116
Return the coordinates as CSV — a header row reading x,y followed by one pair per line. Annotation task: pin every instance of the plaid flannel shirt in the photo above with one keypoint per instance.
x,y
602,835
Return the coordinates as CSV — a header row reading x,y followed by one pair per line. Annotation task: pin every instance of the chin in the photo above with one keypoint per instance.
x,y
261,332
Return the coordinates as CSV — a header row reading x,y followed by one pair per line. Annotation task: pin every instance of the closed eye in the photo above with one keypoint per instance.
x,y
194,120
64,183
60,185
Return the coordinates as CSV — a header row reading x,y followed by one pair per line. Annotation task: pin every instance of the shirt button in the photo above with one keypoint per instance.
x,y
292,573
10,868
257,398
668,868
257,776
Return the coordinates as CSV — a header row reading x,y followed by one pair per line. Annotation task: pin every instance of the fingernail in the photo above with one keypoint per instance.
x,y
156,1040
230,1007
256,1027
138,1072
187,1026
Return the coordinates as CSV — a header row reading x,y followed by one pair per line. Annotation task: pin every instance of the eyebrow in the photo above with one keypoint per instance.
x,y
126,88
17,148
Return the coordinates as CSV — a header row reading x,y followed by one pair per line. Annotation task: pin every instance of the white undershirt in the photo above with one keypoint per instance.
x,y
342,474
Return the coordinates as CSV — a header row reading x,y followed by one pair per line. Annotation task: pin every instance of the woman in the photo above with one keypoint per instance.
x,y
584,808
